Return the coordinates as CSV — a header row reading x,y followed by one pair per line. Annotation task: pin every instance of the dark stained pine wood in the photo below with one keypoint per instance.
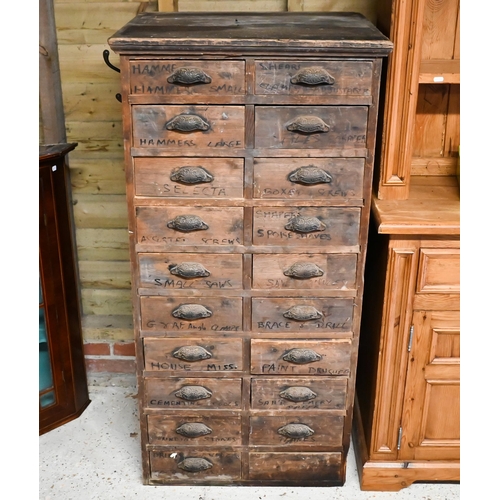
x,y
262,336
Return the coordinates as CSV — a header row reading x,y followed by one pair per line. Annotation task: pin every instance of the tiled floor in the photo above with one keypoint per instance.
x,y
97,457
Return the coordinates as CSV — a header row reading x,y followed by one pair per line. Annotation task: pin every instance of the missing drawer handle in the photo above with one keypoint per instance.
x,y
305,224
302,356
303,313
191,175
195,464
191,312
193,393
187,123
189,270
314,75
296,431
298,394
303,271
187,223
310,175
189,76
192,353
193,429
307,124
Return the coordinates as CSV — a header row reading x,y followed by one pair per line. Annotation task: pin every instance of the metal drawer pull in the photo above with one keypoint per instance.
x,y
310,175
189,270
307,124
302,356
296,431
187,223
187,123
189,76
305,224
195,464
298,394
192,353
193,429
191,312
193,393
303,271
302,313
313,76
191,175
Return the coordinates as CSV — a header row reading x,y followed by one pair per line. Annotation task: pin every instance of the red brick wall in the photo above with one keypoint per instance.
x,y
109,357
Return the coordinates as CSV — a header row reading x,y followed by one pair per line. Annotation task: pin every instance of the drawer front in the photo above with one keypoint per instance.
x,y
180,355
194,430
297,315
299,394
185,464
184,77
292,127
307,226
185,393
303,430
190,271
191,314
439,271
305,271
300,357
298,468
186,128
204,178
314,78
164,226
334,180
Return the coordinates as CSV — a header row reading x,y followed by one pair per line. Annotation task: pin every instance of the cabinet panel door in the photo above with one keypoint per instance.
x,y
431,413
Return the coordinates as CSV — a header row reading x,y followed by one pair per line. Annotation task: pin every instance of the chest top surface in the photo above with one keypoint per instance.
x,y
151,31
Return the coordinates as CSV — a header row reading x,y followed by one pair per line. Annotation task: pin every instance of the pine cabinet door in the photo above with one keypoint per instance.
x,y
431,412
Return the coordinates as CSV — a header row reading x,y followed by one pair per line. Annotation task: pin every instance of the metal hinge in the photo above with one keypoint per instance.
x,y
400,435
410,340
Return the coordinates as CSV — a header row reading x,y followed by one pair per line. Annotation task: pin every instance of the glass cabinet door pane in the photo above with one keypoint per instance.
x,y
45,371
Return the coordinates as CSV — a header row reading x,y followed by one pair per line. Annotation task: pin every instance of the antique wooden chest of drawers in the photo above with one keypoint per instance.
x,y
249,145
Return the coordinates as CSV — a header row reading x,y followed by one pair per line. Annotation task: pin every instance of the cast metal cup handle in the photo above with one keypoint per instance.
x,y
189,76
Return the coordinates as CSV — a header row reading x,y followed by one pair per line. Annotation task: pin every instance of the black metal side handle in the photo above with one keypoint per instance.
x,y
105,56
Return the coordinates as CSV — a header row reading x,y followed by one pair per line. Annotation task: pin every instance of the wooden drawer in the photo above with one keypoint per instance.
x,y
300,357
296,127
191,314
297,468
181,355
183,77
194,430
288,430
298,393
178,465
204,178
313,78
439,271
297,315
335,180
189,271
304,227
185,393
305,271
203,226
185,128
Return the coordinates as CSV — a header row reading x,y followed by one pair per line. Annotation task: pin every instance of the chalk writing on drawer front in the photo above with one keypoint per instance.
x,y
295,406
152,69
166,142
181,284
187,367
314,370
328,325
181,325
194,190
168,402
222,143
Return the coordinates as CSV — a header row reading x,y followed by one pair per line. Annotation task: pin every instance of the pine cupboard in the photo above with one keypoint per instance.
x,y
407,409
249,144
